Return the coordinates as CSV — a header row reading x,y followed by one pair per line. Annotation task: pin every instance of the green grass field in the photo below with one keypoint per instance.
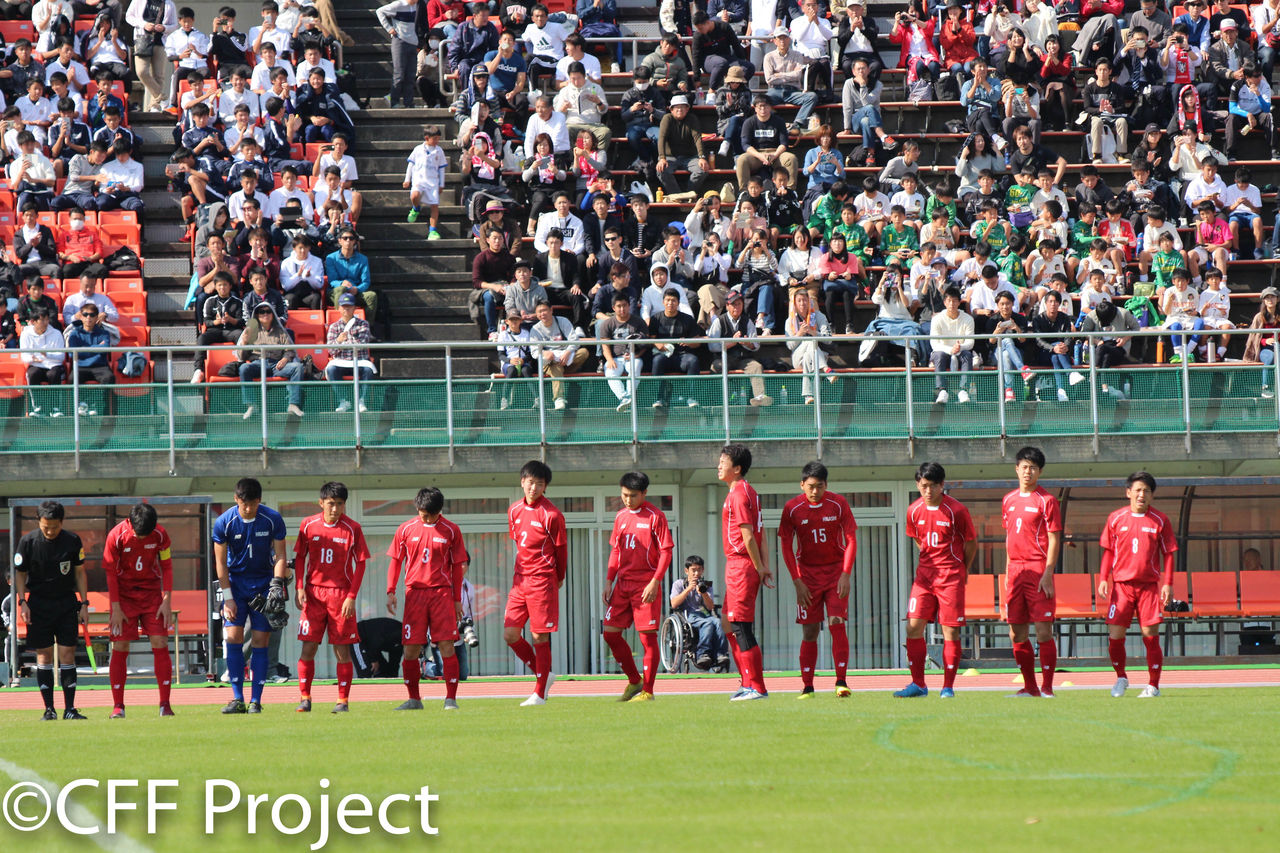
x,y
1191,770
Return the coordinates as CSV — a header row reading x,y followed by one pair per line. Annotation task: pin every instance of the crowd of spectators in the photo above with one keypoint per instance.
x,y
1022,248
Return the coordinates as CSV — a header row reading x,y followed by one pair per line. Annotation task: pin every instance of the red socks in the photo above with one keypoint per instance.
x,y
755,664
1025,657
915,657
450,667
306,674
1048,663
649,642
808,660
622,653
345,672
118,668
524,652
1116,649
737,659
542,666
950,661
164,674
840,651
412,675
1155,658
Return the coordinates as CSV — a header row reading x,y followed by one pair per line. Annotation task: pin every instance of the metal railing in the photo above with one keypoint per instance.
x,y
463,411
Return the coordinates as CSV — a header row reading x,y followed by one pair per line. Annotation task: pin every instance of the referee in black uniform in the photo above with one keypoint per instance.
x,y
49,563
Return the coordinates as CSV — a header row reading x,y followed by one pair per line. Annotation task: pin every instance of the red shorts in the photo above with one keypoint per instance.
x,y
627,604
324,610
1024,602
429,610
140,618
822,599
943,603
742,582
537,605
1129,597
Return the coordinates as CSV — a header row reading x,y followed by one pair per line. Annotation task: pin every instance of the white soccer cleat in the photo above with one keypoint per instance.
x,y
962,397
943,397
1149,692
451,704
551,679
1118,689
535,699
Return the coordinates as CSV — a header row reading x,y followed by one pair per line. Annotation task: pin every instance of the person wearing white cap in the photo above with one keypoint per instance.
x,y
680,147
856,40
1228,57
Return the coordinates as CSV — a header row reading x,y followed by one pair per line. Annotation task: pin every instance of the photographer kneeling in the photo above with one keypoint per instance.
x,y
692,596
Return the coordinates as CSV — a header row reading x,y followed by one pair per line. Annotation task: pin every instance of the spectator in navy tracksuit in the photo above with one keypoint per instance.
x,y
729,11
318,98
474,38
600,20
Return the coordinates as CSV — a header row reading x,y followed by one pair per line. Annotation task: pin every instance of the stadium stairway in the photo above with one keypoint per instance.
x,y
425,286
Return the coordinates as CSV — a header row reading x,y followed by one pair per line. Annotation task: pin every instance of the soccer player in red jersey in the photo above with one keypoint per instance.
x,y
137,558
542,558
1138,545
430,549
329,558
944,532
639,556
819,541
742,529
1033,536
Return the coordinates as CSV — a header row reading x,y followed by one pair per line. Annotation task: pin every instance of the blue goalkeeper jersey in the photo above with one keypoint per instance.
x,y
250,554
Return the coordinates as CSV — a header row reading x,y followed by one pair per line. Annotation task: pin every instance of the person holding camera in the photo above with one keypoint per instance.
x,y
692,595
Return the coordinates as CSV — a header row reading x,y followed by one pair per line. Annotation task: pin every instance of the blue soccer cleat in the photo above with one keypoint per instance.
x,y
911,691
946,693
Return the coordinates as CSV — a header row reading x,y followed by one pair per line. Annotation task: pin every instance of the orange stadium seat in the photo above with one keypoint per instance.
x,y
134,330
1074,594
124,285
1260,593
308,327
980,598
215,362
130,301
118,217
14,30
1214,594
13,375
333,315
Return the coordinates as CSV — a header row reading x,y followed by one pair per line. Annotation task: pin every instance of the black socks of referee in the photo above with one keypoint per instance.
x,y
67,678
44,678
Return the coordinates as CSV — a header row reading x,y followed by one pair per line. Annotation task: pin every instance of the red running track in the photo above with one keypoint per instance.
x,y
142,695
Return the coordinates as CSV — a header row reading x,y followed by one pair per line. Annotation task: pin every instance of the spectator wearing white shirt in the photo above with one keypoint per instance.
x,y
238,93
545,47
583,104
811,37
77,74
37,110
270,31
44,17
311,58
104,50
331,187
288,191
951,340
651,298
88,292
571,227
1242,205
982,296
302,277
122,188
335,154
31,174
575,51
46,367
1215,311
1206,187
260,80
897,300
151,21
553,124
243,128
188,47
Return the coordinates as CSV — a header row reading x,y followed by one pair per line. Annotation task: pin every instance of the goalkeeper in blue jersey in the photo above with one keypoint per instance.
x,y
249,550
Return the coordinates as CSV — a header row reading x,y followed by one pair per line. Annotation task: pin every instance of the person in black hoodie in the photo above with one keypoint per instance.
x,y
222,319
716,49
319,105
861,29
642,107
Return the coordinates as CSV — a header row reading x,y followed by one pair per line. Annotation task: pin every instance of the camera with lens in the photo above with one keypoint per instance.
x,y
703,586
468,632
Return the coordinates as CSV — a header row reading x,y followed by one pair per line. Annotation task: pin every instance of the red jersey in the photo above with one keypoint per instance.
x,y
433,555
542,544
640,545
330,555
1138,548
741,506
1028,520
824,535
139,568
940,532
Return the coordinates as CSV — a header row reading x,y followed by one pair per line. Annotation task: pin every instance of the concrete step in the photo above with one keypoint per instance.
x,y
433,368
433,331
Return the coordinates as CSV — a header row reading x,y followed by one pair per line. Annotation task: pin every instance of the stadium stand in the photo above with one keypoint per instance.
x,y
423,290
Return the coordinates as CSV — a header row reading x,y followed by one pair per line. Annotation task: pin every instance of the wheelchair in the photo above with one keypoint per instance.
x,y
678,645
